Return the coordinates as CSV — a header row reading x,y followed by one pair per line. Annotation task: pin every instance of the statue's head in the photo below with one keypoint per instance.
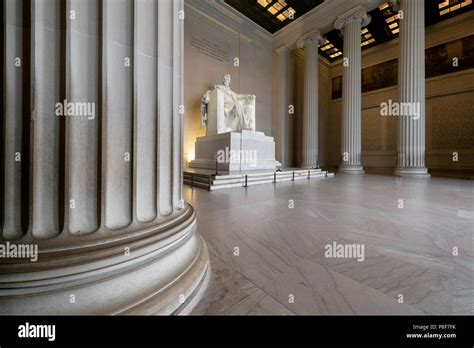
x,y
226,80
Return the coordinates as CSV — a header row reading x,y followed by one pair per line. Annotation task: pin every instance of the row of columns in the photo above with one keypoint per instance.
x,y
411,129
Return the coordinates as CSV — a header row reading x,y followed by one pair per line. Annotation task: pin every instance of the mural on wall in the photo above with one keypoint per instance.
x,y
379,76
443,59
450,57
336,87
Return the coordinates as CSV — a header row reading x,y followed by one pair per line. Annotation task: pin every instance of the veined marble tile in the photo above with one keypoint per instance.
x,y
230,293
408,251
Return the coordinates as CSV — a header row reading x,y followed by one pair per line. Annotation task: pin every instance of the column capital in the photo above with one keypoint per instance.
x,y
313,36
357,12
282,49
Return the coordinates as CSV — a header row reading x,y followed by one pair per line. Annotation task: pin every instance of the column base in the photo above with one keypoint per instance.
x,y
347,169
412,172
166,267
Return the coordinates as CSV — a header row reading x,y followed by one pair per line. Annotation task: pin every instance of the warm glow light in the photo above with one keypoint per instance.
x,y
272,10
263,3
452,5
391,19
190,155
279,9
443,4
278,6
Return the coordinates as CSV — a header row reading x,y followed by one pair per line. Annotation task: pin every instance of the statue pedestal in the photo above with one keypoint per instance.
x,y
235,151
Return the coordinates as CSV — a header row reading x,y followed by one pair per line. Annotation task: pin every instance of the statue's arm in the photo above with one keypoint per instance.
x,y
246,97
204,102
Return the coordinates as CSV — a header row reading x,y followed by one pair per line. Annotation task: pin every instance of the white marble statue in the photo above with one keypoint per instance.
x,y
223,110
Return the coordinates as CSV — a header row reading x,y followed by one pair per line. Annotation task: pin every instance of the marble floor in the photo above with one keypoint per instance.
x,y
267,247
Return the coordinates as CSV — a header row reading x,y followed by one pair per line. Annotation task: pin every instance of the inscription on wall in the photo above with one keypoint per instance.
x,y
210,49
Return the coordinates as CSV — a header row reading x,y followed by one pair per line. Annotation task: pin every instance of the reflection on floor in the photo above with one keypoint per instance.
x,y
267,246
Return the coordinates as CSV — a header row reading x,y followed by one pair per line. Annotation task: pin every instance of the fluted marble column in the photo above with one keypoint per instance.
x,y
350,23
283,138
310,125
411,89
112,231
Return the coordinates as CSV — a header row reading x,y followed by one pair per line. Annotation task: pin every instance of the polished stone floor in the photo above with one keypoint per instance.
x,y
267,246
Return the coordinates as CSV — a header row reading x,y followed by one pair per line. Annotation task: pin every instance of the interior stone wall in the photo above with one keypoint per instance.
x,y
213,38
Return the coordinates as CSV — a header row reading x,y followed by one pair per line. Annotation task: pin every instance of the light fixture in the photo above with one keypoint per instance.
x,y
448,6
278,9
366,37
264,3
391,17
330,50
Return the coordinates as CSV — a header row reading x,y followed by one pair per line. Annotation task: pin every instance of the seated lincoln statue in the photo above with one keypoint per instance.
x,y
230,121
223,110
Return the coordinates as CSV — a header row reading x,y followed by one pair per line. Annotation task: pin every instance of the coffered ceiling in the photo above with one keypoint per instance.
x,y
273,15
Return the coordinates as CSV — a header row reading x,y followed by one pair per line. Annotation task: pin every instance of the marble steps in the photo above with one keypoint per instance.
x,y
212,182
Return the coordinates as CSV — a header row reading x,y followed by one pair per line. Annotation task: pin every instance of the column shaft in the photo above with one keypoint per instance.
x,y
351,132
283,139
178,103
118,112
82,130
146,41
411,89
166,104
14,65
45,147
310,105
